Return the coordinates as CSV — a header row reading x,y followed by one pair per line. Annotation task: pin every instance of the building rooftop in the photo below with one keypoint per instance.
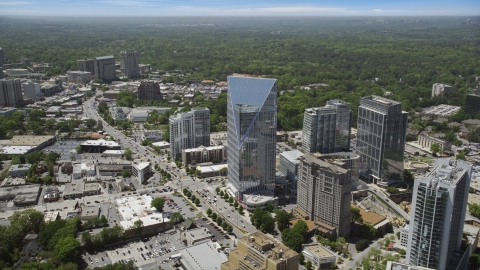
x,y
370,217
319,251
73,188
268,244
211,168
90,211
131,209
198,234
51,216
334,166
16,167
100,142
448,171
105,57
91,186
140,165
292,156
203,147
113,152
203,256
16,150
29,140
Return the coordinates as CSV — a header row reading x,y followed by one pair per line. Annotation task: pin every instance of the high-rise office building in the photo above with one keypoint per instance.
x,y
438,212
472,104
440,89
189,130
381,134
105,68
2,58
129,64
327,129
87,65
10,92
149,90
251,134
323,192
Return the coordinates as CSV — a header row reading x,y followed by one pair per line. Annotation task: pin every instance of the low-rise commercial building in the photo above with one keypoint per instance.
x,y
202,154
213,170
77,190
21,195
89,212
151,135
35,141
426,141
19,170
142,171
320,257
138,115
131,209
195,235
204,255
7,111
114,168
99,145
113,153
119,113
258,251
260,199
110,94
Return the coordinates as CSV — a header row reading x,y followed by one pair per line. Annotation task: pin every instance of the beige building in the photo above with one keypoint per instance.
x,y
257,251
426,141
323,192
320,257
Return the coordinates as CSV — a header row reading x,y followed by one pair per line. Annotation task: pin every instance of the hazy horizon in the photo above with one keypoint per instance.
x,y
247,8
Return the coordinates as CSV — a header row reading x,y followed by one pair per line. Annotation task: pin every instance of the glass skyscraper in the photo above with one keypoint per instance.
x,y
381,134
251,134
438,212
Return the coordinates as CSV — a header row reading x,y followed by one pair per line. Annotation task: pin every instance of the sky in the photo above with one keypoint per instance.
x,y
159,8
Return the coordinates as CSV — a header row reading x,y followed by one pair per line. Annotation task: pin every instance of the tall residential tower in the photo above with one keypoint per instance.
x,y
251,134
438,212
381,134
129,64
105,68
10,92
323,192
327,129
189,130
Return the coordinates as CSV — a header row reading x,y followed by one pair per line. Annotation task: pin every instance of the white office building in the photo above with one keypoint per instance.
x,y
440,89
32,90
141,171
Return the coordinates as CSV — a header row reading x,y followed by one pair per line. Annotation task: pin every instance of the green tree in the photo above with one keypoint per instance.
x,y
214,216
235,204
355,215
229,229
128,154
308,265
301,258
474,259
176,218
435,148
28,221
66,249
126,173
209,212
461,156
292,239
270,207
224,225
230,200
361,245
138,227
283,219
158,203
240,209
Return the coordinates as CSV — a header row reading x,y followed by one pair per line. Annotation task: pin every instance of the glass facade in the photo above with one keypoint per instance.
x,y
381,134
438,212
251,134
327,129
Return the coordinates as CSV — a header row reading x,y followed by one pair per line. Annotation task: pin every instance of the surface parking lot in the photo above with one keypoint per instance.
x,y
218,233
149,252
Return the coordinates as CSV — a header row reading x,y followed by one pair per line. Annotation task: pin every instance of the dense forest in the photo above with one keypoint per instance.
x,y
354,56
